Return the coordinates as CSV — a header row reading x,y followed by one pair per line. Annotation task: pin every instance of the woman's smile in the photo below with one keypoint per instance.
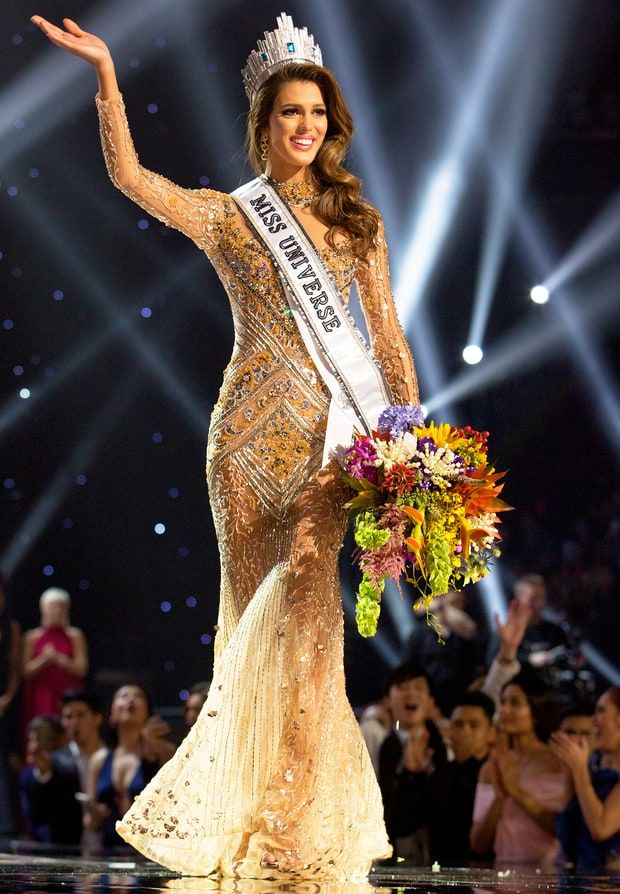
x,y
297,129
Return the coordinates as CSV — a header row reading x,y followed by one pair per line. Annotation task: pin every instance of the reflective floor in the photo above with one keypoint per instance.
x,y
38,874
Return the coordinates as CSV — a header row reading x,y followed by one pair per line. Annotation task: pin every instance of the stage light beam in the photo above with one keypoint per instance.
x,y
181,394
436,211
56,491
526,347
599,238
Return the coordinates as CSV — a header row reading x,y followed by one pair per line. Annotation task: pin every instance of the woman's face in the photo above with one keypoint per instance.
x,y
129,705
297,128
606,724
515,714
54,614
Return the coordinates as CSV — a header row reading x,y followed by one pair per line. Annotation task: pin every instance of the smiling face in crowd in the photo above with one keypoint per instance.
x,y
409,702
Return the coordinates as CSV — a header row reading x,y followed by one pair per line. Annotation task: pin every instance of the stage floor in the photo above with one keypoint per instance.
x,y
26,874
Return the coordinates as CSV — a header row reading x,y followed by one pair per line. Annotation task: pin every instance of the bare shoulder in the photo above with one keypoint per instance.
x,y
75,633
33,634
97,759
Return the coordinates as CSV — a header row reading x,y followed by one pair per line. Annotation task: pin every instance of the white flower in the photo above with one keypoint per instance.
x,y
437,466
400,450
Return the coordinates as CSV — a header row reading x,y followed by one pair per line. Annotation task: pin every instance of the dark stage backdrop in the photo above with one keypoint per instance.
x,y
120,330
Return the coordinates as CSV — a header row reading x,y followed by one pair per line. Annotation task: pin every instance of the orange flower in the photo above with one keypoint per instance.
x,y
482,494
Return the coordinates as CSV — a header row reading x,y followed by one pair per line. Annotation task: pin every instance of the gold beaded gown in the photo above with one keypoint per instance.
x,y
275,763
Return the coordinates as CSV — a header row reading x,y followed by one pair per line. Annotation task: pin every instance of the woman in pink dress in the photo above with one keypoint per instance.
x,y
522,786
55,657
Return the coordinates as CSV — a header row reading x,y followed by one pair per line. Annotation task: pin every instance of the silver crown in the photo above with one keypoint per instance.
x,y
279,48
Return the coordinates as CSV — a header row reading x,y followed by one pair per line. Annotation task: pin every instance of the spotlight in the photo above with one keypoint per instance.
x,y
472,354
539,294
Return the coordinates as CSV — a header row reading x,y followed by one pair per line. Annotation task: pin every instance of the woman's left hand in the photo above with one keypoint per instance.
x,y
573,752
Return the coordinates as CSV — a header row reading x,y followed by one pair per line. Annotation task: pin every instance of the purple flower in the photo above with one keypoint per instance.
x,y
396,420
427,442
360,459
360,469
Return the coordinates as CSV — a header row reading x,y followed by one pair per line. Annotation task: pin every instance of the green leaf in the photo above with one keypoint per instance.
x,y
362,501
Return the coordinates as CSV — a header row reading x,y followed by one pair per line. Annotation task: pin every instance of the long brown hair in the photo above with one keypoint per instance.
x,y
340,206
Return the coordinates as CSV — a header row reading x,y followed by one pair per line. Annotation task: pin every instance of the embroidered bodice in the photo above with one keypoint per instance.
x,y
272,407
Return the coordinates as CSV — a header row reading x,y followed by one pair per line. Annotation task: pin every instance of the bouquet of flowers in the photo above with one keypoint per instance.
x,y
426,507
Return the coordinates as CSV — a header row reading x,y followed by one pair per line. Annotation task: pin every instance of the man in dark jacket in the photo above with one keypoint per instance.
x,y
411,756
48,786
452,803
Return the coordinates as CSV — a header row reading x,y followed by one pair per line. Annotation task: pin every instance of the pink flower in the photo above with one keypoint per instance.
x,y
387,560
360,459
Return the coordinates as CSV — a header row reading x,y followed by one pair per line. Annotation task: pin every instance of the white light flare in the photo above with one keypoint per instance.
x,y
472,354
539,294
527,347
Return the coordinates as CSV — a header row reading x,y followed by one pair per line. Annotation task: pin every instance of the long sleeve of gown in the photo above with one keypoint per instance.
x,y
195,212
387,338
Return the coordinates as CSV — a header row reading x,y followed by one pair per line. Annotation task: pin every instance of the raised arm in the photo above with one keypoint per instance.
x,y
192,211
602,817
386,335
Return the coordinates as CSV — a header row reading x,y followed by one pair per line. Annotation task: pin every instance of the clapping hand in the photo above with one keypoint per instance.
x,y
505,762
417,756
72,38
571,750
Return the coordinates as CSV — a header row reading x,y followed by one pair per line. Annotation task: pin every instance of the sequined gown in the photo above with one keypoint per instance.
x,y
275,762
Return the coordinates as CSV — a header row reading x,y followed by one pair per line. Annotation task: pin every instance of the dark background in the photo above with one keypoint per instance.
x,y
124,399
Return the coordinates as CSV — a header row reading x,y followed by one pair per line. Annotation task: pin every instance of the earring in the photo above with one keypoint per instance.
x,y
264,148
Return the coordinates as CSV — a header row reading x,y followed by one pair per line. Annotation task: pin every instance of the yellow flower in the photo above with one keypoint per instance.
x,y
439,433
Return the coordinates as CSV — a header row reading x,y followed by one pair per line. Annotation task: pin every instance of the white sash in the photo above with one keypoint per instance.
x,y
335,344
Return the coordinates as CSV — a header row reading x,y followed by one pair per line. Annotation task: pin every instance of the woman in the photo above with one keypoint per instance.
x,y
55,656
589,827
116,775
274,776
521,788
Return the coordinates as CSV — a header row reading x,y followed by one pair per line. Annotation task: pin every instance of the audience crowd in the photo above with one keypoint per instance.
x,y
482,753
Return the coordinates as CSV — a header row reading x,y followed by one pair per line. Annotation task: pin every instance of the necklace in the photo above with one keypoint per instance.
x,y
301,193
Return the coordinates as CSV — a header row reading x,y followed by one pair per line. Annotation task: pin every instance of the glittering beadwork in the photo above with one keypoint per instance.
x,y
275,763
300,193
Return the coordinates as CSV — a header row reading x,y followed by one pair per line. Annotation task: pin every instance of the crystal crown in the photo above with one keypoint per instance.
x,y
279,48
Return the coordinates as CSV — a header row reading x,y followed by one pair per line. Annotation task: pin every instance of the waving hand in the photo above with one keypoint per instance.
x,y
73,38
